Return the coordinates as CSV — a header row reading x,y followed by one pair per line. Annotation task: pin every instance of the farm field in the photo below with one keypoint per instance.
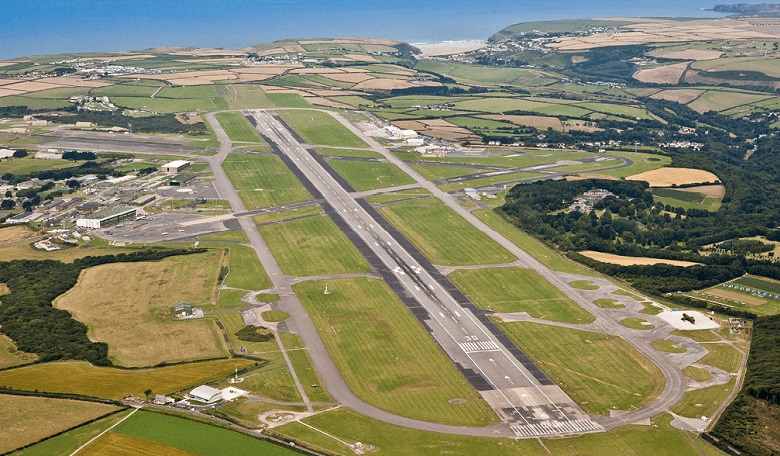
x,y
641,162
263,180
237,127
312,384
386,357
26,419
758,283
686,200
120,444
312,246
65,444
741,299
600,372
15,234
273,381
109,294
370,175
424,220
666,177
319,128
518,290
630,261
193,437
9,354
78,377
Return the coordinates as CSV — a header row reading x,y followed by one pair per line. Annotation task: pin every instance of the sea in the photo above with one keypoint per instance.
x,y
76,26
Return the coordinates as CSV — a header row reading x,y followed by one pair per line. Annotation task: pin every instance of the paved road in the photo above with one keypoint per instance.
x,y
300,322
675,382
523,397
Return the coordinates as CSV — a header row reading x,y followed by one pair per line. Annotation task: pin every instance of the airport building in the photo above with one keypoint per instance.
x,y
175,166
205,393
107,217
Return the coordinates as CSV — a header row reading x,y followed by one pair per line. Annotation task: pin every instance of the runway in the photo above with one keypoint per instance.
x,y
520,393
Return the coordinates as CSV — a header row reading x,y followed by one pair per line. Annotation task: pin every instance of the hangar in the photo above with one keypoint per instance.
x,y
205,393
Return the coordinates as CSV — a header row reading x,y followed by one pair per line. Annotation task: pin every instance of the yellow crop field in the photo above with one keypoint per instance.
x,y
24,420
666,177
632,261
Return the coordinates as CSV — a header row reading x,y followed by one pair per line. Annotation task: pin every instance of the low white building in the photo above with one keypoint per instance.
x,y
6,153
205,393
175,166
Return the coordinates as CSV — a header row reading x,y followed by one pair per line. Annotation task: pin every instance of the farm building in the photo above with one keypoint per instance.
x,y
205,393
107,217
175,166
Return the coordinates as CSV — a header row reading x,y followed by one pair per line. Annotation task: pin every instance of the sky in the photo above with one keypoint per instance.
x,y
37,27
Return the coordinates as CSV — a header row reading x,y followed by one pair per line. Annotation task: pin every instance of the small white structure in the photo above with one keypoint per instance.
x,y
205,393
6,153
231,393
175,166
414,142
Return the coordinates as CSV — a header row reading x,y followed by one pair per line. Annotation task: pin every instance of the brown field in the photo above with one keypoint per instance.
x,y
438,128
119,57
352,40
321,71
205,52
350,77
714,191
687,54
327,103
361,57
632,261
701,77
24,420
129,304
735,296
124,445
667,74
31,86
9,92
247,74
15,233
683,96
647,31
7,81
294,48
389,84
11,356
540,122
666,177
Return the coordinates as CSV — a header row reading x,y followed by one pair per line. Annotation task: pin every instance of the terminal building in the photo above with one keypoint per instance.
x,y
107,217
175,166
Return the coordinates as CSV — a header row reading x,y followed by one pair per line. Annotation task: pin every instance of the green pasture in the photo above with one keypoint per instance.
x,y
386,356
518,290
442,235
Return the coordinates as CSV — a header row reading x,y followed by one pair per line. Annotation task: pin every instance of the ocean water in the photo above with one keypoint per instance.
x,y
61,26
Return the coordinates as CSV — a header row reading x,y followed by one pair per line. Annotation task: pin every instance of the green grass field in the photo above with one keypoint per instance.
x,y
312,246
723,356
584,285
518,290
319,128
287,214
246,272
370,175
244,96
195,437
667,346
386,356
273,382
110,383
312,384
608,303
704,401
600,372
349,153
634,440
641,162
65,444
424,221
20,166
234,322
263,180
759,284
434,172
532,246
237,127
636,323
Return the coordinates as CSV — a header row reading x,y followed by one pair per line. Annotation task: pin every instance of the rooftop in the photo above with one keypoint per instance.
x,y
117,210
176,164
